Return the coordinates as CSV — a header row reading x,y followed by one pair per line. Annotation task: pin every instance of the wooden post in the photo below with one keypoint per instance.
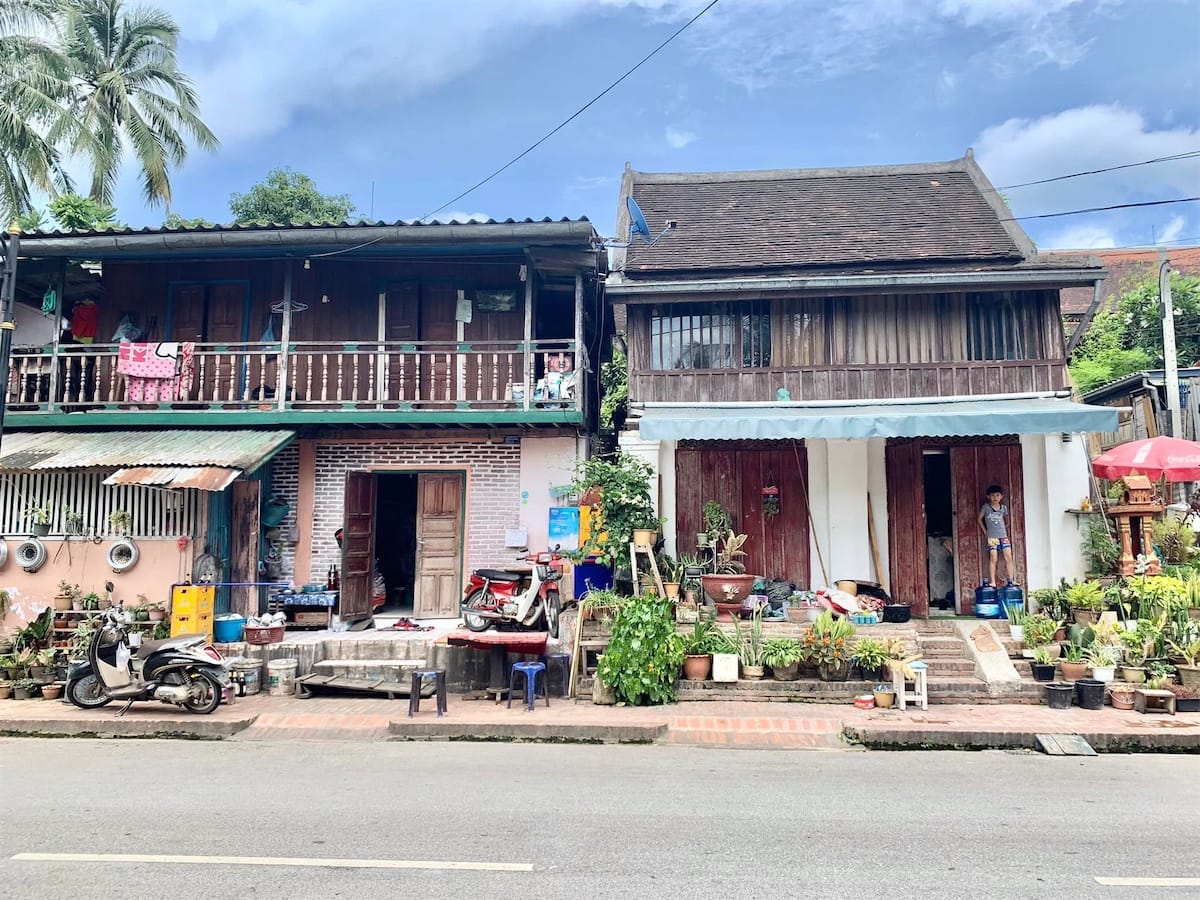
x,y
581,363
244,534
381,357
528,332
285,337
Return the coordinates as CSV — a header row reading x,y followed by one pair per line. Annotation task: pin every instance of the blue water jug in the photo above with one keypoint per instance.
x,y
1011,595
987,602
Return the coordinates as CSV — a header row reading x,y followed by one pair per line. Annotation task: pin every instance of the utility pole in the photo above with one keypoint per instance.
x,y
8,291
1170,357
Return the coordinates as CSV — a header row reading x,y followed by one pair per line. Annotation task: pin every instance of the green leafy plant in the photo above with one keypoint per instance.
x,y
120,521
1040,629
39,515
1100,547
1017,615
780,652
1189,651
644,654
1041,656
1087,595
1103,655
81,639
1175,540
36,633
728,553
670,568
750,640
699,640
1133,648
27,684
623,484
827,641
1073,653
870,653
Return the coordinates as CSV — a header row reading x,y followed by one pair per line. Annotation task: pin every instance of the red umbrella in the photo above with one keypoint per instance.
x,y
1160,457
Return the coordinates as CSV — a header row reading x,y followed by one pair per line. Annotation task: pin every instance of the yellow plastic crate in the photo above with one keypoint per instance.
x,y
192,625
192,609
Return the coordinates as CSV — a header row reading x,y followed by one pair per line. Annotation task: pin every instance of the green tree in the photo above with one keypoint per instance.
x,y
75,213
34,220
1128,337
287,197
127,90
175,220
33,84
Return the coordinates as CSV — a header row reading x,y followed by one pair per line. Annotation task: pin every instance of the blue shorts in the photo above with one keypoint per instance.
x,y
995,544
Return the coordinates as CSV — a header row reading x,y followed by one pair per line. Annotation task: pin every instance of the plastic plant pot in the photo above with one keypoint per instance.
x,y
1089,693
1058,696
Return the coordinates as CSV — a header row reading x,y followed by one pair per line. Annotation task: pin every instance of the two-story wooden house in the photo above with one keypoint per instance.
x,y
422,386
811,348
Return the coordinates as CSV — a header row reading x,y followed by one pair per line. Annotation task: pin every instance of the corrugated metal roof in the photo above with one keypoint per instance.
x,y
43,450
204,478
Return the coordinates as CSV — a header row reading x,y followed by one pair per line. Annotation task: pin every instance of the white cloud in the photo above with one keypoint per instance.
x,y
677,138
1082,139
1173,230
1083,237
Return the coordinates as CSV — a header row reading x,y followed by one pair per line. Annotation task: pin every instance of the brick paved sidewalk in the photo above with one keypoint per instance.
x,y
707,724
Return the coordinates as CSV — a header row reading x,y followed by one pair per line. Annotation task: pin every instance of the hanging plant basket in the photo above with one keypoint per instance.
x,y
770,501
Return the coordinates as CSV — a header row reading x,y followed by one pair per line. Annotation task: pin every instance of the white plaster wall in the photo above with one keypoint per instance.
x,y
1056,478
545,462
661,457
877,484
33,329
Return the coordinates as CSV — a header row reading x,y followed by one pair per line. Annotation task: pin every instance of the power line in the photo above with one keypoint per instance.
x,y
1091,209
1188,155
561,125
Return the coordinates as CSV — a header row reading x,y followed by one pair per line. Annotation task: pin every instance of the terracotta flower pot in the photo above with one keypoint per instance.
x,y
729,589
696,667
5,691
671,588
885,699
1084,617
1073,671
52,691
1121,699
1133,674
1189,677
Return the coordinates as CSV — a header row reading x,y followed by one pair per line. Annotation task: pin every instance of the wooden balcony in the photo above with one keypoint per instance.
x,y
312,381
862,382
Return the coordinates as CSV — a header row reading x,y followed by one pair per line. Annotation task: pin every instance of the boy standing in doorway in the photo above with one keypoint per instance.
x,y
992,522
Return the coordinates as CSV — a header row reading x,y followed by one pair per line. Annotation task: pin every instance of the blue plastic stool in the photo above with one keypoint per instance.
x,y
531,670
414,695
564,668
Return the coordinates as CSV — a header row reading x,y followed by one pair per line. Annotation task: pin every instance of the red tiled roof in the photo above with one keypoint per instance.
x,y
1127,267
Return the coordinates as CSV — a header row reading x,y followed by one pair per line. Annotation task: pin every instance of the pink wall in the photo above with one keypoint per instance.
x,y
161,563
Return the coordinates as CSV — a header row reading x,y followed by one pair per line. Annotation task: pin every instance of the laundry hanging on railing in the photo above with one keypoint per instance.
x,y
156,372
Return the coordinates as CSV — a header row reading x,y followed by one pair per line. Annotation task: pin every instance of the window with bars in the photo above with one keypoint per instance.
x,y
996,328
710,336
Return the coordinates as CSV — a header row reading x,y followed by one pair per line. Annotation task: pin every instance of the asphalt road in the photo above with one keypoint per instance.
x,y
587,821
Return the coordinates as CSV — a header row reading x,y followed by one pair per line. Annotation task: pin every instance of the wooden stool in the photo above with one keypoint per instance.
x,y
919,695
1148,701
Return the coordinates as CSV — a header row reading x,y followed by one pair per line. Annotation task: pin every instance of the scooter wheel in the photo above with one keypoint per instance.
x,y
476,599
210,697
88,693
552,612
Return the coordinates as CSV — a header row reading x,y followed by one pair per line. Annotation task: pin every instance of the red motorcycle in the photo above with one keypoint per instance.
x,y
523,600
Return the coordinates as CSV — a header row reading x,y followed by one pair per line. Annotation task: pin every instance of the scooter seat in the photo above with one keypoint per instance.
x,y
498,575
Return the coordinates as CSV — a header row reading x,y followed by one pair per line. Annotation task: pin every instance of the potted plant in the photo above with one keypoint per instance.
x,y
827,643
39,518
717,522
729,585
783,655
870,655
25,688
1133,655
120,522
692,568
1039,630
1087,601
72,520
1072,662
750,645
885,696
671,571
5,690
644,655
66,593
1188,670
602,604
697,650
1121,695
1103,659
725,657
156,611
1186,699
1042,665
1017,616
619,487
52,691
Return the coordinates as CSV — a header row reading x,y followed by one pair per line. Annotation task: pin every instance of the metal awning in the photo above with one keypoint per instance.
x,y
186,457
936,417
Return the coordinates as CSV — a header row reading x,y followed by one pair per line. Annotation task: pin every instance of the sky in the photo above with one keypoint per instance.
x,y
403,104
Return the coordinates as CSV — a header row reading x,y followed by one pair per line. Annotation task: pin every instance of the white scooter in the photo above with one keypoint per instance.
x,y
181,670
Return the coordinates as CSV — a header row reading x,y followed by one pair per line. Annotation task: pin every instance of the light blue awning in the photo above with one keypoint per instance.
x,y
916,418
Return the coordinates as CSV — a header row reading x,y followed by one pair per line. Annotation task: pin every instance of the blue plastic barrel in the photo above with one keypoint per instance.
x,y
987,602
227,629
1011,595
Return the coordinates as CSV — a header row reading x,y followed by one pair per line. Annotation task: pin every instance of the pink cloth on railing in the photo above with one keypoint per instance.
x,y
156,373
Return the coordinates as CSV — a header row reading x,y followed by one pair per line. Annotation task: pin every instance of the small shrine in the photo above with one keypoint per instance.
x,y
1134,515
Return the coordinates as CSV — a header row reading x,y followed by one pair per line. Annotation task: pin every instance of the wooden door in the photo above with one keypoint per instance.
x,y
439,371
226,324
734,475
400,326
439,545
494,364
187,312
908,566
243,540
972,469
358,547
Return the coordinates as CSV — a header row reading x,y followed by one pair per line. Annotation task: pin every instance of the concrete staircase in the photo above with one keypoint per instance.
x,y
951,672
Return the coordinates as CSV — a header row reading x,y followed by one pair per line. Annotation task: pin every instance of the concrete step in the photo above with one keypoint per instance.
x,y
940,642
934,626
371,669
399,646
950,666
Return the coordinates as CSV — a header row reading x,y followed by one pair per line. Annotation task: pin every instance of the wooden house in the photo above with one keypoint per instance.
x,y
879,341
421,387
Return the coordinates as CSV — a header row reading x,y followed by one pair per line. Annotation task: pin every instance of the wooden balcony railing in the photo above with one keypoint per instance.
x,y
316,375
859,382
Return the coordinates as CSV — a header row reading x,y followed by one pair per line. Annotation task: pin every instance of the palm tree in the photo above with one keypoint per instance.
x,y
128,90
33,83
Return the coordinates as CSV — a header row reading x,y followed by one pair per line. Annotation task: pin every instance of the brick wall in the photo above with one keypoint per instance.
x,y
493,490
285,479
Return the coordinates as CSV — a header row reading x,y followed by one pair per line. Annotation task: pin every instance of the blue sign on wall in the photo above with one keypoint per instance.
x,y
563,531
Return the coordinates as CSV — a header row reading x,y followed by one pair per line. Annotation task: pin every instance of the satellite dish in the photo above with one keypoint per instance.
x,y
640,228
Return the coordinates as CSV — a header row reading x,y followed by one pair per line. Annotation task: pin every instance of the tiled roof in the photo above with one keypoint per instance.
x,y
928,215
403,223
1127,267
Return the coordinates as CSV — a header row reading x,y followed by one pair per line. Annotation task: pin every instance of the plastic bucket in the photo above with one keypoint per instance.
x,y
281,677
1058,696
1089,693
227,629
247,677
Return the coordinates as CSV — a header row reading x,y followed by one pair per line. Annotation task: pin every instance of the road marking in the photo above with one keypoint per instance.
x,y
312,862
1149,882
